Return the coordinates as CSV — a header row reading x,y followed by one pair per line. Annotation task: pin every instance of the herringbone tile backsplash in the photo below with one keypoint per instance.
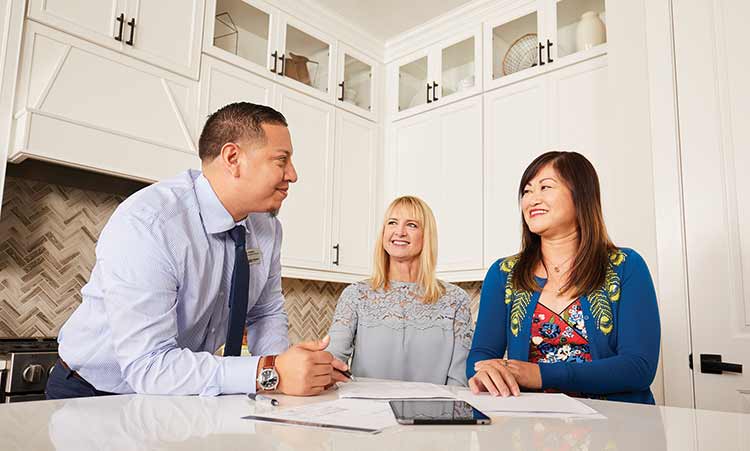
x,y
47,238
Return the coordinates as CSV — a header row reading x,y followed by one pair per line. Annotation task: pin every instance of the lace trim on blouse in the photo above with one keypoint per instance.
x,y
400,307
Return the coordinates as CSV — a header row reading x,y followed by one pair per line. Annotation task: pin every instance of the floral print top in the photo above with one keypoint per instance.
x,y
559,338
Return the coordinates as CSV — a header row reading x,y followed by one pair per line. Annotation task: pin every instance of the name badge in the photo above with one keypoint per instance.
x,y
253,256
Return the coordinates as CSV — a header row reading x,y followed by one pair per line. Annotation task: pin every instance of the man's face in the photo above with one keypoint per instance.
x,y
267,170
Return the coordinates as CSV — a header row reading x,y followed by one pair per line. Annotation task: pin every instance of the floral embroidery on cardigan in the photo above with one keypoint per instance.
x,y
520,299
600,299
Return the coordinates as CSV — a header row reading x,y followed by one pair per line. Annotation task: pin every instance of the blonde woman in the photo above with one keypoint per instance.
x,y
403,323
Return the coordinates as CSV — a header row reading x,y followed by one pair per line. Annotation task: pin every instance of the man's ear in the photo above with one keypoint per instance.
x,y
230,158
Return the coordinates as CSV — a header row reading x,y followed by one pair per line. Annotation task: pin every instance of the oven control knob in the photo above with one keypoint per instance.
x,y
33,373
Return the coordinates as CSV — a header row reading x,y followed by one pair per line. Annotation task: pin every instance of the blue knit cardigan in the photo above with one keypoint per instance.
x,y
622,322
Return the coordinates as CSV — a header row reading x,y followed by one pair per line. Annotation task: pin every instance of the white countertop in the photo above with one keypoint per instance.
x,y
141,422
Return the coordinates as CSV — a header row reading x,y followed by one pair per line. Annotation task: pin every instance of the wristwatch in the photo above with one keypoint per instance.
x,y
268,378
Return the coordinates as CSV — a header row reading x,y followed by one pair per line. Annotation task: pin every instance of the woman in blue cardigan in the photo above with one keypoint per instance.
x,y
574,313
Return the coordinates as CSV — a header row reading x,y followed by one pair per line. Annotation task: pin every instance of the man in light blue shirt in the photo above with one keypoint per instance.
x,y
182,266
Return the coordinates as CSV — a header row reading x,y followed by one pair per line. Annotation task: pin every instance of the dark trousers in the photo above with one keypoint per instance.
x,y
66,383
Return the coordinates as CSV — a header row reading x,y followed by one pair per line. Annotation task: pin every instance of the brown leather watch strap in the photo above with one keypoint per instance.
x,y
267,361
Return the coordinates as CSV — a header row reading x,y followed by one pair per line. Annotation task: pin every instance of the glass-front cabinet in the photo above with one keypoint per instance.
x,y
356,82
580,25
540,35
254,35
443,73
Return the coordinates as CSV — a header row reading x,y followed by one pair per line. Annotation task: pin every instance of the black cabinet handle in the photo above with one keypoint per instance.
x,y
275,56
336,261
434,91
429,98
541,47
283,65
131,23
341,85
121,19
549,57
712,364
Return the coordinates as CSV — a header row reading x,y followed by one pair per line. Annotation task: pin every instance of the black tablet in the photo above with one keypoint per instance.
x,y
437,412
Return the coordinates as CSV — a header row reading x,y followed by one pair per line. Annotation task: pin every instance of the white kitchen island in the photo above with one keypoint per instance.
x,y
138,422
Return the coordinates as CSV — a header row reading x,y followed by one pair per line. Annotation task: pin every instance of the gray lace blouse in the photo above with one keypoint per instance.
x,y
392,335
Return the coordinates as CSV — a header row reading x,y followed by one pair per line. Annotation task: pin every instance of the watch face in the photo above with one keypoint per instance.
x,y
268,379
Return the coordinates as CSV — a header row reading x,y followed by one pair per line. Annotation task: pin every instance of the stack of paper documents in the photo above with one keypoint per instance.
x,y
354,415
384,389
531,404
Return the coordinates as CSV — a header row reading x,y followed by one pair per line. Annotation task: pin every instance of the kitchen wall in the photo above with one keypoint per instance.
x,y
48,232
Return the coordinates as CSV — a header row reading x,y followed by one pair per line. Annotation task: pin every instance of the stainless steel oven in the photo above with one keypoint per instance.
x,y
25,364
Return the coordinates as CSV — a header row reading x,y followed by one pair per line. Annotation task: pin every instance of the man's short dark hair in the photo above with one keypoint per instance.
x,y
235,122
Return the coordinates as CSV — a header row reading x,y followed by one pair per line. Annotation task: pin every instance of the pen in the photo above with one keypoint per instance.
x,y
348,374
265,399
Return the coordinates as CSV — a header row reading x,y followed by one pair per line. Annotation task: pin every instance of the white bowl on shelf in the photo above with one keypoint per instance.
x,y
350,95
465,83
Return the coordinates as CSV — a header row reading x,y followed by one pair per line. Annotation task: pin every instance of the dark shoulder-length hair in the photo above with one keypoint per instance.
x,y
590,262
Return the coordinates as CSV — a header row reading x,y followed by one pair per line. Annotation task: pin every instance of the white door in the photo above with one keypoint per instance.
x,y
166,33
438,157
222,84
306,213
354,193
100,21
714,107
515,123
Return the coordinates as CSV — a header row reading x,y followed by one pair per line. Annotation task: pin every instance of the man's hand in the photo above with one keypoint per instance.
x,y
306,369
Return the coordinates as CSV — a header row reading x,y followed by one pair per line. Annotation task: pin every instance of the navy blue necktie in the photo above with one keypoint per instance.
x,y
238,294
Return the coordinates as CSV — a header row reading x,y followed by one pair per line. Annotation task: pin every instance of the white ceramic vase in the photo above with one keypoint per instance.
x,y
590,31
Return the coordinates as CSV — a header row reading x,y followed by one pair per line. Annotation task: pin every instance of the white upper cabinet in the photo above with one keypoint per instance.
x,y
437,156
306,212
256,36
166,33
443,73
355,197
99,21
356,83
540,35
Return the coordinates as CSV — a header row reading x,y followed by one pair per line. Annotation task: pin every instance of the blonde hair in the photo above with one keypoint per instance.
x,y
432,288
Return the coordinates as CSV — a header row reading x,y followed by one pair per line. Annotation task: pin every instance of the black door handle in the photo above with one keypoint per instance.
x,y
429,98
712,364
131,23
541,47
549,46
341,85
121,19
275,56
434,91
336,261
283,65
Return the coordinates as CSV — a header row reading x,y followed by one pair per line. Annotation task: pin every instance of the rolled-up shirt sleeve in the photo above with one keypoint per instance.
x,y
140,286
